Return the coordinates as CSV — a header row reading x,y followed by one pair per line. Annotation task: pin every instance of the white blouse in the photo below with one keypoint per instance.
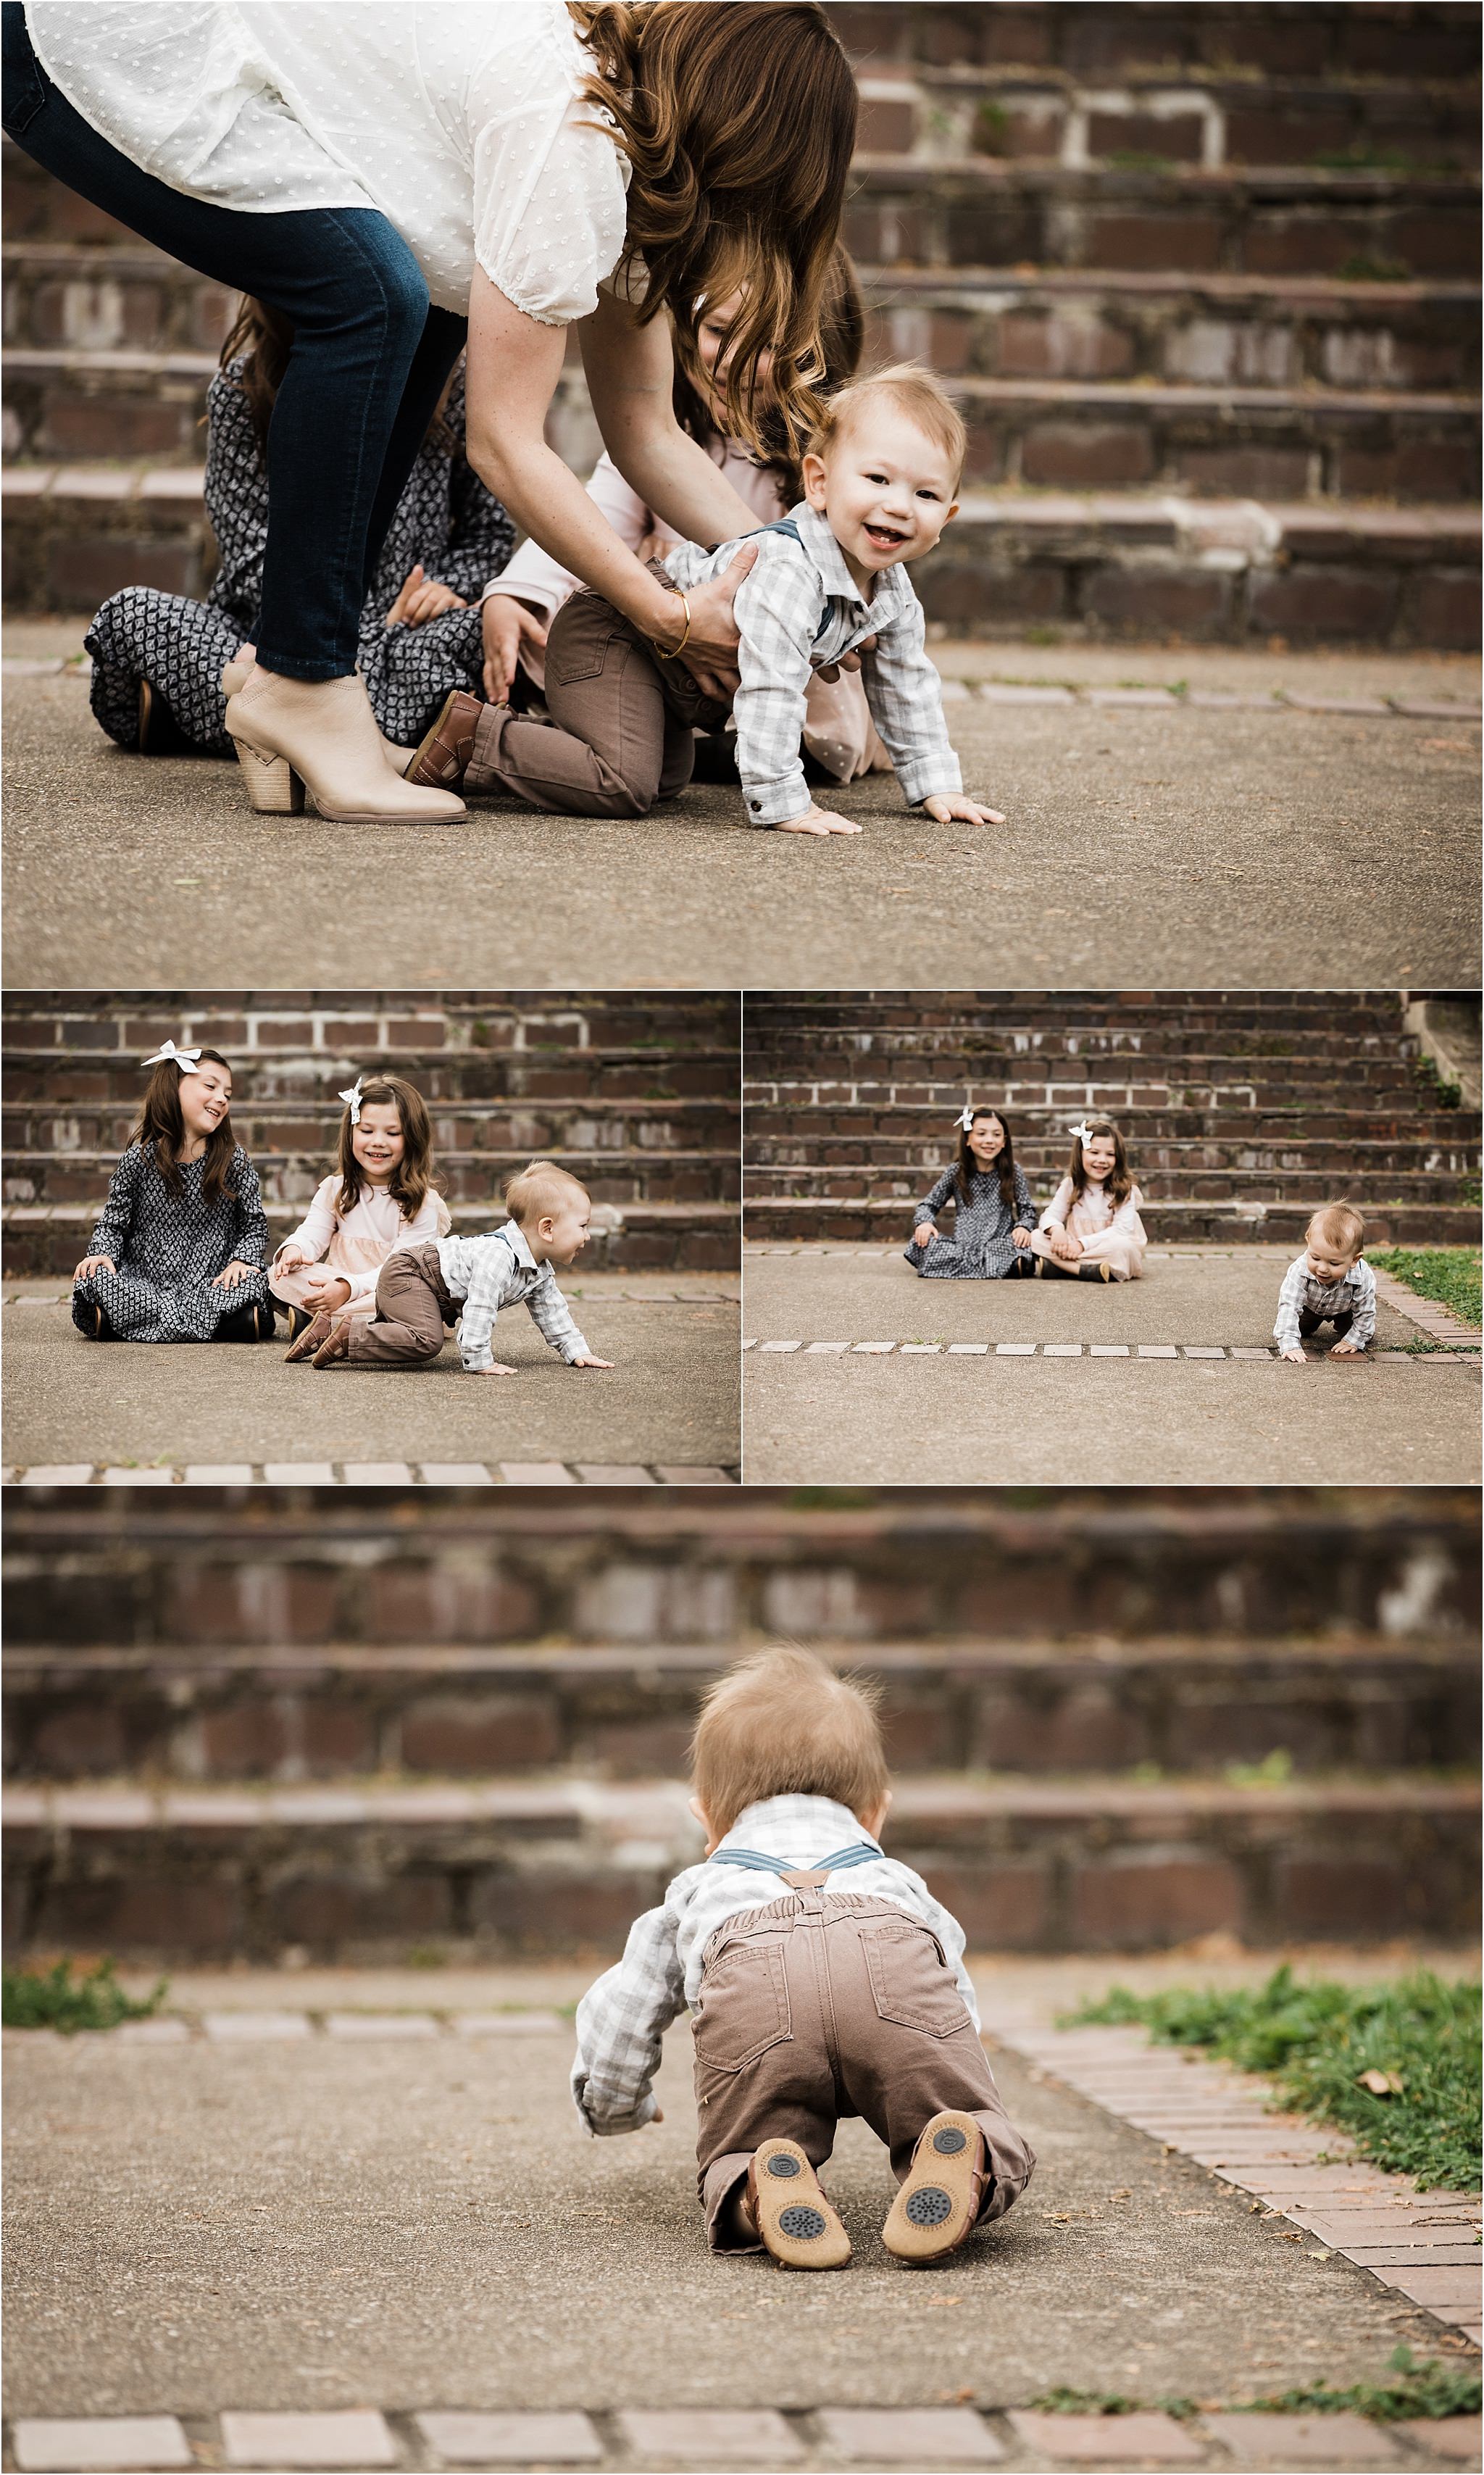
x,y
357,1244
1093,1211
461,120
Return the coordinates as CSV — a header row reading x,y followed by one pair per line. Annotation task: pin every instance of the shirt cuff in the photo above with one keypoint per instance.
x,y
610,2127
936,781
777,803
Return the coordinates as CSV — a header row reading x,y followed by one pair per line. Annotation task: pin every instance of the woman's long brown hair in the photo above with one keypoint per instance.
x,y
413,1174
161,1124
262,338
841,342
739,121
1119,1183
1003,1162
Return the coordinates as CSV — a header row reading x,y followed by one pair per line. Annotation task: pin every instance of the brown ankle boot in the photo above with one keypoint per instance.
x,y
336,1346
444,752
309,1341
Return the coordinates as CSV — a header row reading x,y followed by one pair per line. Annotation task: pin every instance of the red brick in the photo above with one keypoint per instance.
x,y
1249,472
83,427
1087,456
422,1030
1324,604
1273,137
960,594
546,1913
210,1603
1413,468
1304,244
326,1911
1015,37
1444,610
1083,1728
332,1736
1148,243
82,1740
282,1033
1134,1900
457,1733
250,1740
351,1034
1340,1895
1054,344
1192,603
1001,1907
81,572
439,1602
228,1031
636,1748
887,127
1293,45
142,1916
1143,133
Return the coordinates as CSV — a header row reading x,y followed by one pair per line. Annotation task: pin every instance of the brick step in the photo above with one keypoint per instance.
x,y
616,1083
1205,1172
349,1710
1233,1219
630,1176
1053,433
1169,1141
486,1127
184,1566
394,1024
1060,1013
1324,38
1176,329
784,1042
526,1867
1256,220
1202,1081
1214,571
1164,115
1340,1111
48,1238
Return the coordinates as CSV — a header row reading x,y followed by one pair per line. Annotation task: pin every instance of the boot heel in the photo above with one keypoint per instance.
x,y
273,786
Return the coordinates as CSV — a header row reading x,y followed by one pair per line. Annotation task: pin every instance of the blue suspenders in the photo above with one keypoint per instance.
x,y
860,1851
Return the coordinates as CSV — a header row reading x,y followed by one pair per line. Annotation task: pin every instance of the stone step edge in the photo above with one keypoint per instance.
x,y
598,2437
620,1810
357,1474
608,1218
1465,1352
877,168
1170,2095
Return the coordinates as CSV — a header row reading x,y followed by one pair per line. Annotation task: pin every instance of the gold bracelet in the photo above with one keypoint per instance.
x,y
684,638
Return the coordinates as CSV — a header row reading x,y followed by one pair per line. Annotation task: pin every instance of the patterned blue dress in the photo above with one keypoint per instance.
x,y
167,1250
982,1247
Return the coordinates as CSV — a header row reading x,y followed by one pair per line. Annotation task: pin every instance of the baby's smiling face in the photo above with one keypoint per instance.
x,y
886,489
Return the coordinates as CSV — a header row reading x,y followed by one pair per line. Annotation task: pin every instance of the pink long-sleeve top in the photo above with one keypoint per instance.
x,y
357,1244
1093,1211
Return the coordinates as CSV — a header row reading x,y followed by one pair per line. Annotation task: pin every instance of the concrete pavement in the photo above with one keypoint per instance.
x,y
922,1408
670,1399
1146,845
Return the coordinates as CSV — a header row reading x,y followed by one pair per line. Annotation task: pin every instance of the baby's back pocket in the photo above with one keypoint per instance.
x,y
742,2007
911,1980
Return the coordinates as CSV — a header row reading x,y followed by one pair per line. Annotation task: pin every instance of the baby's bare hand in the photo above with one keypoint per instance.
x,y
818,820
949,806
1293,1357
494,1368
1346,1349
592,1361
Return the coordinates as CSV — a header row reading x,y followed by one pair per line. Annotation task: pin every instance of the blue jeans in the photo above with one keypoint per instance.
x,y
369,361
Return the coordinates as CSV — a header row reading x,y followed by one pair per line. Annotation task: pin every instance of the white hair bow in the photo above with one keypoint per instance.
x,y
353,1100
965,1116
170,1055
1082,1133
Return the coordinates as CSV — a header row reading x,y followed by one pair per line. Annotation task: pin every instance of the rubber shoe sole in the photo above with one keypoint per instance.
x,y
937,2205
795,2220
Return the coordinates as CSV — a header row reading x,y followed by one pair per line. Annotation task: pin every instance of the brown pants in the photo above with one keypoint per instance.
x,y
412,1309
822,2006
625,721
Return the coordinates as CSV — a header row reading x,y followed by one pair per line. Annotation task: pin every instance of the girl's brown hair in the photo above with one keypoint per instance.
x,y
782,1723
1120,1183
738,122
1002,1164
841,342
413,1174
262,338
160,1125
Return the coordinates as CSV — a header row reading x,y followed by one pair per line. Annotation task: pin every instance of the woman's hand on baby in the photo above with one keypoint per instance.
x,y
924,1233
592,1361
421,599
947,806
817,821
511,633
326,1288
233,1272
831,670
94,1263
710,650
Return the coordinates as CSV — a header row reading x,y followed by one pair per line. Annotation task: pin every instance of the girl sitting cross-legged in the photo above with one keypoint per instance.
x,y
178,1251
1090,1230
991,1239
379,1197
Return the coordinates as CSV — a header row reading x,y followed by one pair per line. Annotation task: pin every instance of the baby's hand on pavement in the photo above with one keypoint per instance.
x,y
948,805
592,1361
494,1368
817,821
1346,1349
1293,1357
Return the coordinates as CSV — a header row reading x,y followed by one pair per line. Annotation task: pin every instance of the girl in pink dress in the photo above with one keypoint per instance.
x,y
379,1198
1090,1230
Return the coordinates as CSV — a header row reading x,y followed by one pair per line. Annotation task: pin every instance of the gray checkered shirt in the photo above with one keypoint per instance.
x,y
1301,1294
500,1270
621,2019
799,609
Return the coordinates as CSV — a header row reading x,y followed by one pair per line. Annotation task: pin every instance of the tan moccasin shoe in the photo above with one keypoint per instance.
x,y
795,2220
938,2204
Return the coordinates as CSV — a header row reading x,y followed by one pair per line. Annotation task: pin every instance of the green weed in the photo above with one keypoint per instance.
x,y
53,1997
1366,266
1430,2390
1416,2041
1451,1275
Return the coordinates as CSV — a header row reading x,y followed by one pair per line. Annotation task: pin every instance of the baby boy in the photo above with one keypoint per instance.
x,y
420,1289
829,581
823,1980
1330,1282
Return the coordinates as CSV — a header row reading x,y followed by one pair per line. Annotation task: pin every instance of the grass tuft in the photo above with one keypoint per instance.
x,y
1448,1274
1426,2390
53,1997
1318,2041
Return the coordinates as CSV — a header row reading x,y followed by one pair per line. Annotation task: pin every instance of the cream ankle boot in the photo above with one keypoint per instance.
x,y
321,735
238,674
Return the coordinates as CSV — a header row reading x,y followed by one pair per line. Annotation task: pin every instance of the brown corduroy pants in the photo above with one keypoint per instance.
x,y
413,1307
819,2006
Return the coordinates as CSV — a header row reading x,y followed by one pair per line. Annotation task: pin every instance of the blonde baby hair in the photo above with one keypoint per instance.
x,y
782,1723
1339,1225
539,1186
916,391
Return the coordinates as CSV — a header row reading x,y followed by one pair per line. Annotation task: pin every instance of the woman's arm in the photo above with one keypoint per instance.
x,y
631,379
513,366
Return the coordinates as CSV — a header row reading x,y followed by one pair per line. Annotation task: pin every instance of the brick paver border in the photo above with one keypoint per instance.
x,y
372,1474
1464,1351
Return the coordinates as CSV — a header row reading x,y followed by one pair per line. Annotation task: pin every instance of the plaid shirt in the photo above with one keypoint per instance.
x,y
1301,1294
621,2019
500,1270
799,609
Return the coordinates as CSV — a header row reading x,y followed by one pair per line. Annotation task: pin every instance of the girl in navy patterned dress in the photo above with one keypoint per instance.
x,y
178,1251
158,657
995,1216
